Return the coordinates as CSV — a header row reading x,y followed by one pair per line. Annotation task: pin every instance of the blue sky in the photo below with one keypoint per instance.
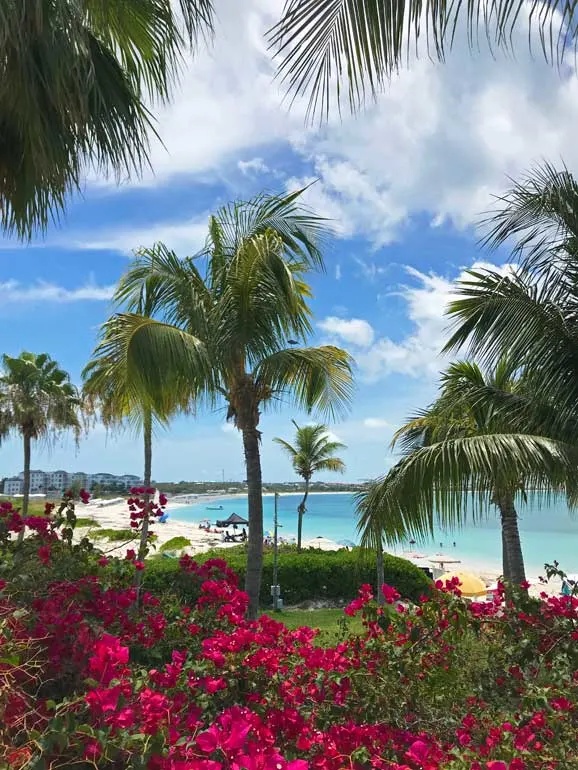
x,y
404,183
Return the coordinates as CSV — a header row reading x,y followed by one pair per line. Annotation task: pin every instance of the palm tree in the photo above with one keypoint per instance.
x,y
108,387
222,326
312,453
468,451
76,79
37,399
335,48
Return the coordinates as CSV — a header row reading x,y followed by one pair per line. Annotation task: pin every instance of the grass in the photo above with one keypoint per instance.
x,y
115,535
175,544
334,625
86,522
35,506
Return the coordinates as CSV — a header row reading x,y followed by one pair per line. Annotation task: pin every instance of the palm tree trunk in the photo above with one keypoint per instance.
x,y
505,560
26,482
300,511
255,538
380,572
513,559
147,438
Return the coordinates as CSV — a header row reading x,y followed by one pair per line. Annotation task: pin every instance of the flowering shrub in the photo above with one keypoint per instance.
x,y
439,685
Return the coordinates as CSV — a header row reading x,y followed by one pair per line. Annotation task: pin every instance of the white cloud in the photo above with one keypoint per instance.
x,y
338,272
228,427
184,238
418,353
43,291
253,166
375,422
355,331
440,140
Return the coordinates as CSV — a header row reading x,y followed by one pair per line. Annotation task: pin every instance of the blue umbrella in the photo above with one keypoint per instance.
x,y
347,543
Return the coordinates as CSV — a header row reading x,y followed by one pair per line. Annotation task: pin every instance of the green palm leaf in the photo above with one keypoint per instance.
x,y
454,480
310,378
76,76
336,49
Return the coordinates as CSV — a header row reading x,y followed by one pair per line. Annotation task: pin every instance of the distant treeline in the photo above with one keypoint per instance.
x,y
217,487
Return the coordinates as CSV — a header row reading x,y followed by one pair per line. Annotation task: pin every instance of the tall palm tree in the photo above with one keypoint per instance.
x,y
311,453
470,449
335,48
76,79
222,326
108,387
37,400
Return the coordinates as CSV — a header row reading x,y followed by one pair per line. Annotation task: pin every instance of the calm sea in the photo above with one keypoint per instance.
x,y
547,533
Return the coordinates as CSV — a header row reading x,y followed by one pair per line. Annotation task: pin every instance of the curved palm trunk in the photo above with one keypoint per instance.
x,y
147,438
255,502
380,572
513,560
301,508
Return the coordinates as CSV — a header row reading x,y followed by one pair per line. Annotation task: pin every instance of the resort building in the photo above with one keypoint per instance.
x,y
58,481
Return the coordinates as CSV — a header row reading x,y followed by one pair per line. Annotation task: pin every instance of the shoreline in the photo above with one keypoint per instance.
x,y
115,516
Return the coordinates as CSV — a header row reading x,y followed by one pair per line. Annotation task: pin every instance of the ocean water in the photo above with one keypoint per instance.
x,y
548,532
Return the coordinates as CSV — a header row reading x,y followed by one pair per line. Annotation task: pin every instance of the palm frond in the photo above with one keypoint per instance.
x,y
450,482
540,212
301,231
333,464
311,378
76,76
531,321
155,364
331,49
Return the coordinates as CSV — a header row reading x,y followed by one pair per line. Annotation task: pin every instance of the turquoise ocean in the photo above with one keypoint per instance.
x,y
548,532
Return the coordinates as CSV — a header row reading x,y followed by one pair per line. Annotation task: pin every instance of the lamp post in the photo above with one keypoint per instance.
x,y
275,587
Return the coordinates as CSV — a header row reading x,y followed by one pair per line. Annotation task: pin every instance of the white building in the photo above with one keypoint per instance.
x,y
37,481
59,481
13,486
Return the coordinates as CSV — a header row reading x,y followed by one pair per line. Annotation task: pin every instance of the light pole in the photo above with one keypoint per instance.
x,y
275,590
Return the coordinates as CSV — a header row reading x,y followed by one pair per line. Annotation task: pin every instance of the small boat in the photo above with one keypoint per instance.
x,y
214,508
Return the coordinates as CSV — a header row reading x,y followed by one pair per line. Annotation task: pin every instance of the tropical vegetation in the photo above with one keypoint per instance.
x,y
78,80
490,439
311,453
110,390
37,402
224,326
440,684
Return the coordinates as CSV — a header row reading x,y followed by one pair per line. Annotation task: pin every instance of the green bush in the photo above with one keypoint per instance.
x,y
175,544
311,574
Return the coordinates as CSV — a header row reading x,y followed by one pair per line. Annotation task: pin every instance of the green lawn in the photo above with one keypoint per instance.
x,y
329,622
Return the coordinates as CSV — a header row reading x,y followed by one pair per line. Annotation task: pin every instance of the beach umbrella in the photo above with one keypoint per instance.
x,y
471,585
347,543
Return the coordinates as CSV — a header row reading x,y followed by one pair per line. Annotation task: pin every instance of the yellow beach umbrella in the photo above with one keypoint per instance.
x,y
471,585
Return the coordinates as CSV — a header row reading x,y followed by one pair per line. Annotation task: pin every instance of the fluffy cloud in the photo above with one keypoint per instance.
x,y
354,330
418,353
42,291
441,139
184,238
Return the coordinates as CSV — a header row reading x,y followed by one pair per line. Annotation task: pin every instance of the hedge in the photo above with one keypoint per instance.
x,y
308,575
